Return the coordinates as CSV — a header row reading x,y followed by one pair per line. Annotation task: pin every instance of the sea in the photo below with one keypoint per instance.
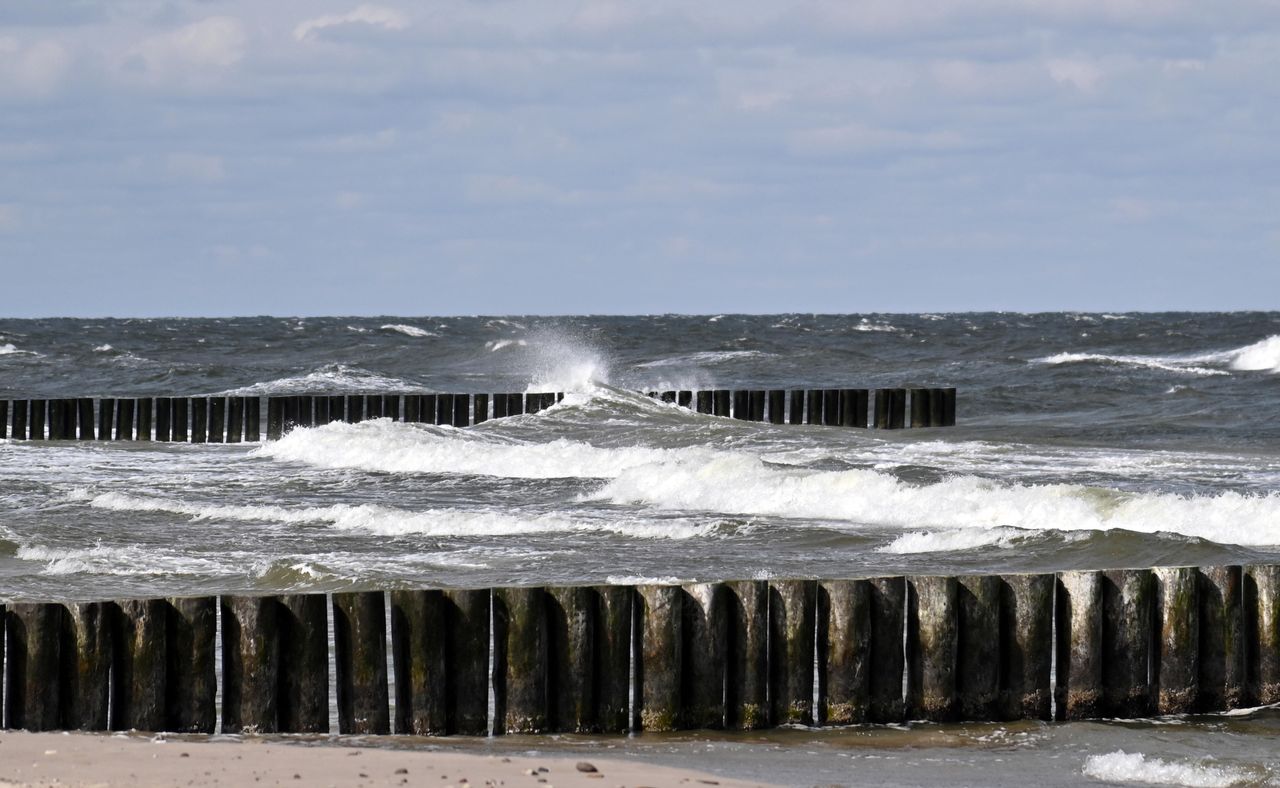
x,y
1083,440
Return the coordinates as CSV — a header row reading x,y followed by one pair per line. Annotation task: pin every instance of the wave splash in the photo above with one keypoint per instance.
x,y
1125,767
1261,356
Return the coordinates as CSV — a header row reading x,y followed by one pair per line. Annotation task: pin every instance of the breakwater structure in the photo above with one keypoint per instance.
x,y
1121,643
234,419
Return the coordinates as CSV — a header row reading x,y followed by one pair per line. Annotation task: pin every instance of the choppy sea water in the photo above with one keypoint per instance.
x,y
1083,441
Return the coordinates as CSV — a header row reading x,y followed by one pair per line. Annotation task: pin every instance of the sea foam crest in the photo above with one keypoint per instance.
x,y
331,378
1261,356
1126,767
409,331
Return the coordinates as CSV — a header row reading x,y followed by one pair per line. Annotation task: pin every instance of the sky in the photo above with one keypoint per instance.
x,y
228,157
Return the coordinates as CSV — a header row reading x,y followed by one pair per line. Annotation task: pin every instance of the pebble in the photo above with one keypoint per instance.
x,y
583,766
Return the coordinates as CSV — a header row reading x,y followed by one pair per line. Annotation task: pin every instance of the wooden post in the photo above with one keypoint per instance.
x,y
164,418
660,667
684,399
303,631
191,670
1128,605
57,420
235,420
669,397
337,408
373,406
461,408
144,410
1079,667
747,682
1178,627
813,406
124,419
86,657
706,634
253,419
948,407
355,408
936,398
1262,632
616,650
932,642
704,403
1222,679
572,673
796,412
20,409
742,405
275,418
1026,637
4,419
720,402
920,408
217,419
139,671
831,407
250,664
792,613
777,406
888,621
467,661
321,411
844,651
418,658
106,419
520,660
33,684
480,408
515,405
897,409
36,425
360,640
199,420
391,406
444,409
978,602
179,419
755,404
882,408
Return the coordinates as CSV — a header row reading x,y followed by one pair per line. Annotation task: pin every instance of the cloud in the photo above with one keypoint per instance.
x,y
195,167
371,15
193,53
34,69
1083,75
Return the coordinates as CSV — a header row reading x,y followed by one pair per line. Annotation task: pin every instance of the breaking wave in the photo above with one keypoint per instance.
x,y
1125,767
1261,356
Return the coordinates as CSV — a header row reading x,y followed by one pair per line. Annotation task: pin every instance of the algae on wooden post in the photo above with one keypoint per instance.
x,y
140,670
467,661
888,623
571,668
360,640
1262,628
520,660
33,688
844,651
1128,601
792,624
86,684
931,645
304,664
1026,637
1079,667
615,650
250,664
978,664
418,659
1178,627
706,633
660,666
1222,680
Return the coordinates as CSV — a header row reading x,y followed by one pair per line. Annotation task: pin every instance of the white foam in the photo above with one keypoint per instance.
x,y
390,521
743,485
867,325
8,349
1123,767
704,358
953,541
409,331
1262,355
500,344
396,447
103,349
1166,363
336,378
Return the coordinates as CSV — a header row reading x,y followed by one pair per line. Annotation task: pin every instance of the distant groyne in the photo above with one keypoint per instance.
x,y
235,419
1120,643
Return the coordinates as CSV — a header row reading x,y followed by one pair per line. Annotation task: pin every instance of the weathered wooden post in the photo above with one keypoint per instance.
x,y
831,407
616,649
948,407
792,610
373,405
978,640
897,409
467,660
200,420
461,410
1079,665
444,409
777,406
920,408
844,651
4,419
321,411
500,406
706,634
813,406
32,693
360,640
1178,627
57,431
684,399
669,397
882,408
144,410
747,682
191,670
532,403
1128,605
795,410
571,659
720,402
755,405
139,671
253,419
936,398
217,419
106,419
355,408
418,635
515,405
1262,632
235,420
742,405
164,418
250,664
704,404
1026,636
932,640
479,408
337,408
660,668
179,419
1222,649
520,660
888,622
275,418
124,419
86,656
391,406
303,625
36,425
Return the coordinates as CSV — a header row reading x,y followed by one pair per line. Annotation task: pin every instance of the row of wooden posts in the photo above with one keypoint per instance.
x,y
236,419
740,655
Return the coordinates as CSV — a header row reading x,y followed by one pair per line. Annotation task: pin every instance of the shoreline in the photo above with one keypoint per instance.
x,y
37,760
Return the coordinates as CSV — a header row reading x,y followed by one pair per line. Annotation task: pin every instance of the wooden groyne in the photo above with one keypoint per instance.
x,y
237,419
1124,643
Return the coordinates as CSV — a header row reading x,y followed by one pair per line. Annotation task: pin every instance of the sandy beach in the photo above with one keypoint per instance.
x,y
57,759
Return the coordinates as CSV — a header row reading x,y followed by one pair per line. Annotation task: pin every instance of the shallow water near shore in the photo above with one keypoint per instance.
x,y
1083,441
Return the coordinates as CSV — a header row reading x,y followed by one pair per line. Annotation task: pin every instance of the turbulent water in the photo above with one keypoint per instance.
x,y
1083,440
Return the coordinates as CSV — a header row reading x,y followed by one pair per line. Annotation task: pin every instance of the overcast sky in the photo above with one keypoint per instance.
x,y
163,157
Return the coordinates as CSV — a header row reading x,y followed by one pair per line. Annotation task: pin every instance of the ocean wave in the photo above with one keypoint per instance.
x,y
8,349
744,485
877,326
129,560
329,379
395,447
390,521
1124,767
705,357
956,541
1261,356
501,344
409,331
